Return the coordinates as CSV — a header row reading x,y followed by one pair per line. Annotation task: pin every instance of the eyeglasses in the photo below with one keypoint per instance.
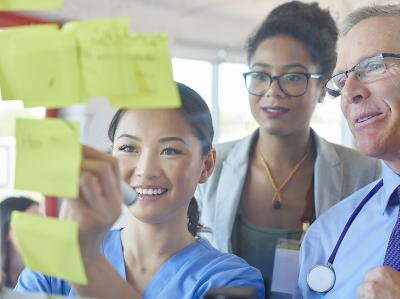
x,y
367,70
292,84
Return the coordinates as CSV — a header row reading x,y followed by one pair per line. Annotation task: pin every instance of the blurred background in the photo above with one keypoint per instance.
x,y
207,40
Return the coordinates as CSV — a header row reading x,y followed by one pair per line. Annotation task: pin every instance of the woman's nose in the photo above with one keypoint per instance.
x,y
274,90
147,166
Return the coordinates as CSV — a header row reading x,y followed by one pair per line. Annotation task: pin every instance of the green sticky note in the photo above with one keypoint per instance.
x,y
50,246
39,65
30,4
48,156
37,28
105,66
155,88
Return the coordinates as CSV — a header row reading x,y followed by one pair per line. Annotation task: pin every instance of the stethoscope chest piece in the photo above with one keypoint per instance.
x,y
321,278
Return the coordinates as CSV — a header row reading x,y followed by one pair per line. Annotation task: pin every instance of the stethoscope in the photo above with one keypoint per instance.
x,y
321,278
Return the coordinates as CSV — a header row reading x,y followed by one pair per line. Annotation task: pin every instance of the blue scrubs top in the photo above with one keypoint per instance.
x,y
190,273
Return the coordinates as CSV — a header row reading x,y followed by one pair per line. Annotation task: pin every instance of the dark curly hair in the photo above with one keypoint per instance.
x,y
307,23
196,112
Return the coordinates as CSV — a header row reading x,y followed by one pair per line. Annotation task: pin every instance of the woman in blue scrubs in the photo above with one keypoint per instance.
x,y
163,154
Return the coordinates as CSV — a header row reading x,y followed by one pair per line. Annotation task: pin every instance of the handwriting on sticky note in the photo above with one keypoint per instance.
x,y
48,156
93,58
30,4
50,246
28,73
103,31
106,71
150,60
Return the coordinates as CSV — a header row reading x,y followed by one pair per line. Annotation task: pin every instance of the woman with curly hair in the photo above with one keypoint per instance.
x,y
269,185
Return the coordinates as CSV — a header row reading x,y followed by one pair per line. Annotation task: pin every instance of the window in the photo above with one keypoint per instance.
x,y
196,74
328,120
235,118
9,111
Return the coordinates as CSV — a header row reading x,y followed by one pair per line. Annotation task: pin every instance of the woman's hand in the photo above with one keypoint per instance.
x,y
95,210
99,202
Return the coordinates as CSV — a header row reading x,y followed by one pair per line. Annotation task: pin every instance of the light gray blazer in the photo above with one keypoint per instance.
x,y
338,172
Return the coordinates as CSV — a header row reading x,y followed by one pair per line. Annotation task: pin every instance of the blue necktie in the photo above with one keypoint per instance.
x,y
392,256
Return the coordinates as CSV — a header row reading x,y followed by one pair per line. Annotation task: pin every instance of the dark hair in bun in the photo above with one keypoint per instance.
x,y
307,23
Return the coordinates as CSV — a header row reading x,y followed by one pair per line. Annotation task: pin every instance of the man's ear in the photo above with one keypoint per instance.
x,y
208,165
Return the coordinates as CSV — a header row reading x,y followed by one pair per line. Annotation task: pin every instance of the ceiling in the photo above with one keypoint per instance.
x,y
203,29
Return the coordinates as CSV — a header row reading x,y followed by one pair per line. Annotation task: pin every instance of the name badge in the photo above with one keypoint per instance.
x,y
286,268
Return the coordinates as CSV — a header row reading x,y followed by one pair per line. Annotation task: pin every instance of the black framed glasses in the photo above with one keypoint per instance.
x,y
292,84
367,70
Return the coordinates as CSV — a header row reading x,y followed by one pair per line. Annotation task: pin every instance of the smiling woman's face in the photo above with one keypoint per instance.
x,y
276,112
162,159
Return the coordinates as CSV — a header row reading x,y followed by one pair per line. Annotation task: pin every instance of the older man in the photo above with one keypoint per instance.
x,y
354,248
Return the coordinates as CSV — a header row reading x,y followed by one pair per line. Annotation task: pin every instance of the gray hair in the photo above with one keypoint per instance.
x,y
367,12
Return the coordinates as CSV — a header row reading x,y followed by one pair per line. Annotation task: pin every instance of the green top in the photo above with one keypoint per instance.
x,y
257,245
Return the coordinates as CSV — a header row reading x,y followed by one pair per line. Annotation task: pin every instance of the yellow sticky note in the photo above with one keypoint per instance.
x,y
105,65
39,65
50,246
150,60
48,156
37,28
30,4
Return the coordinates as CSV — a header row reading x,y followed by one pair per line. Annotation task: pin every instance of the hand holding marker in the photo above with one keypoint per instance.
x,y
128,193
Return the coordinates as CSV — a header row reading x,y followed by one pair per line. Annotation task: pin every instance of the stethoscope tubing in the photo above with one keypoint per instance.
x,y
352,218
327,271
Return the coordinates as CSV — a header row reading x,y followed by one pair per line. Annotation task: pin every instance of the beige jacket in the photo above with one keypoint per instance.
x,y
338,172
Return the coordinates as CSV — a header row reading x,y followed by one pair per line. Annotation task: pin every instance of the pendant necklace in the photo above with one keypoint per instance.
x,y
276,199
